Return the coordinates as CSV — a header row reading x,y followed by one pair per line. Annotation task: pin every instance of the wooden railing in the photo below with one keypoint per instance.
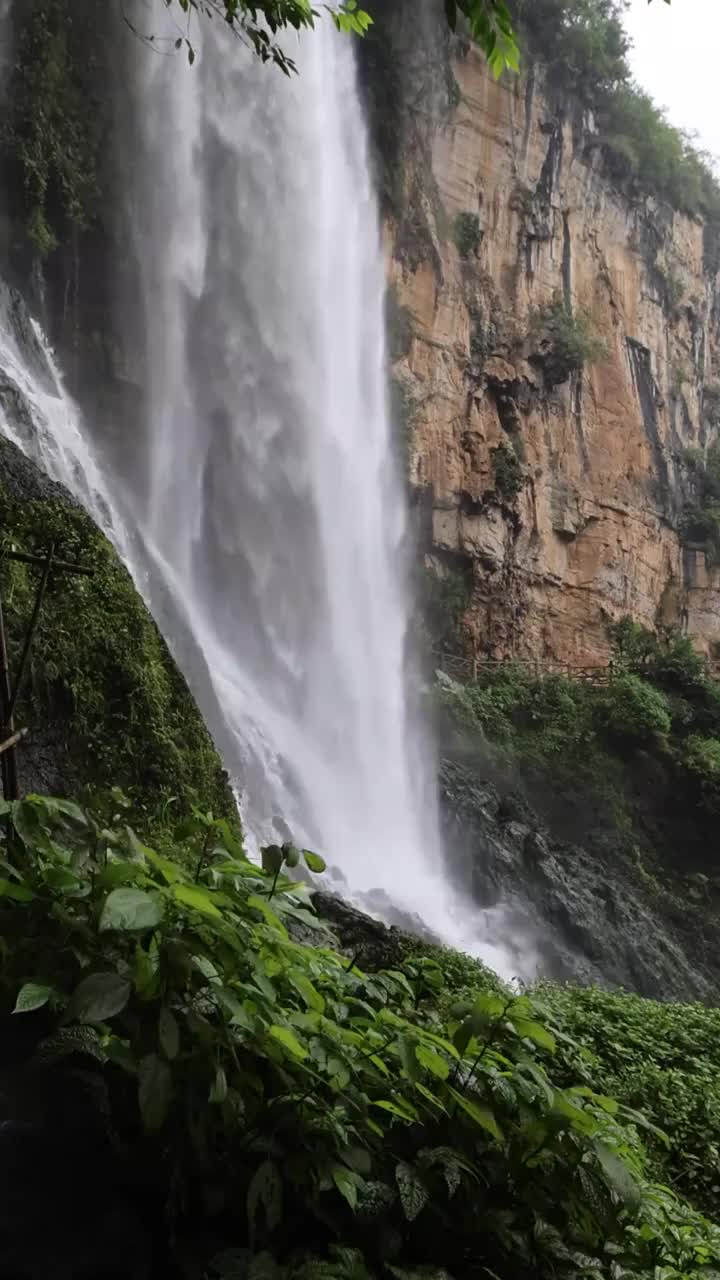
x,y
462,668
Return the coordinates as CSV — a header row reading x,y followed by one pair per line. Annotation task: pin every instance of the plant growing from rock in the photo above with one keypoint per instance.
x,y
467,234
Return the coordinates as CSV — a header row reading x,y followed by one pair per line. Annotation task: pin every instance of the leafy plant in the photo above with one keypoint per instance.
x,y
467,234
564,341
507,472
631,709
339,1108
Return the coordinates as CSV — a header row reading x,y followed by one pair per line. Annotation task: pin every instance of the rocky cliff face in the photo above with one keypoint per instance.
x,y
558,494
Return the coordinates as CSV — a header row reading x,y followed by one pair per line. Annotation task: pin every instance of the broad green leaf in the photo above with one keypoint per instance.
x,y
313,861
32,996
309,993
618,1175
413,1192
482,1116
146,977
264,1191
197,899
406,1049
154,1091
289,1041
432,1061
18,892
346,1184
130,910
263,906
580,1119
170,871
401,1108
99,997
168,1033
535,1031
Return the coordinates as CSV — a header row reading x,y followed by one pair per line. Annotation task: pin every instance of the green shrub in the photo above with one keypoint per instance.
x,y
467,234
507,473
565,340
345,1124
702,759
631,709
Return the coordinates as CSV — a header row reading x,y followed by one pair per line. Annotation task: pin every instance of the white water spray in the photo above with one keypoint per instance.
x,y
267,510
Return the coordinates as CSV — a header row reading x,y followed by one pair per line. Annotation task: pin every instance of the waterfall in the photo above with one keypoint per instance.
x,y
266,506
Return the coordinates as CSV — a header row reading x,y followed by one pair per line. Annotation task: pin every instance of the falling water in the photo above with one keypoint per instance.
x,y
268,513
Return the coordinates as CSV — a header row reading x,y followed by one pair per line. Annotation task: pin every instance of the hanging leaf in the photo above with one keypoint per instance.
x,y
218,1088
291,854
32,996
617,1175
535,1031
313,861
154,1091
99,997
404,1110
413,1192
346,1184
264,1192
168,1033
131,910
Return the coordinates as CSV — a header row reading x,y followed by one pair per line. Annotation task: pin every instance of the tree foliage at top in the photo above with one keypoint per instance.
x,y
259,21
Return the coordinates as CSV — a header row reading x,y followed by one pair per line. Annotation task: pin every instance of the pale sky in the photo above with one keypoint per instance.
x,y
676,58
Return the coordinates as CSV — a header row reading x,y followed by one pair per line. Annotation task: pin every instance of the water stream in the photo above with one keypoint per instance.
x,y
266,510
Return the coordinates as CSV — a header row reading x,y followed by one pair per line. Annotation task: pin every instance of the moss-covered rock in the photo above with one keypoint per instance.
x,y
103,700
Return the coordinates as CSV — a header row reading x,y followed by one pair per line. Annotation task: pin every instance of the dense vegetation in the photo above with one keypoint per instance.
x,y
661,1058
102,687
641,751
311,1119
585,47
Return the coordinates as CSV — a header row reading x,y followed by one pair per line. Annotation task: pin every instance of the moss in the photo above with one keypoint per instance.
x,y
100,672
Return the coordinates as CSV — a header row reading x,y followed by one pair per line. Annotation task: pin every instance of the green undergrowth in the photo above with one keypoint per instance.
x,y
308,1118
653,729
101,683
662,1058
